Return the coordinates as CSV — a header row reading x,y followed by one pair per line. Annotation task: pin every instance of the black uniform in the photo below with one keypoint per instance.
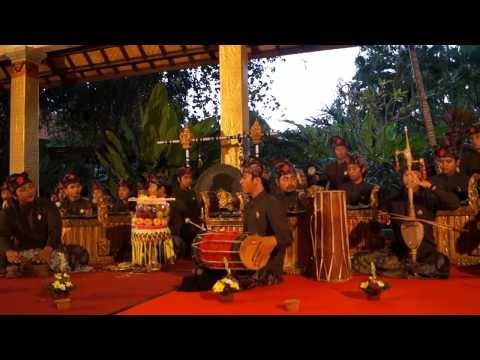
x,y
30,226
290,201
185,206
456,183
75,208
121,206
357,194
470,161
335,174
265,216
426,203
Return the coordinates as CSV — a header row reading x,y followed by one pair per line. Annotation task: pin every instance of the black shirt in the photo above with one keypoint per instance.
x,y
470,161
335,174
456,183
427,202
75,208
290,201
121,206
264,216
357,194
186,205
33,226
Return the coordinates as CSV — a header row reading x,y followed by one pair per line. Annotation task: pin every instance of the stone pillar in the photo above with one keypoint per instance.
x,y
24,111
234,118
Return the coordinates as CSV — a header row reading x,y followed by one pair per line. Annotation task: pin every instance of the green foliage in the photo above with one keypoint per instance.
x,y
129,153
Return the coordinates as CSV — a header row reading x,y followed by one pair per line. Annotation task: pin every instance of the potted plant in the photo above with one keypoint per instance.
x,y
60,289
226,287
373,287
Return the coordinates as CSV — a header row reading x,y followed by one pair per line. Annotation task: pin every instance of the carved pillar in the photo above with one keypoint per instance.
x,y
24,111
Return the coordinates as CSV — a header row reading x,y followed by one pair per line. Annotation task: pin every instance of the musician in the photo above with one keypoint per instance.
x,y
58,195
98,195
5,195
335,172
264,216
122,205
450,178
31,228
358,191
74,204
286,184
141,189
470,161
185,206
428,199
156,187
313,178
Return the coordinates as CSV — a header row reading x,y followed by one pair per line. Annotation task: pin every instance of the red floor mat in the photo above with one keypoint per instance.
x,y
458,295
97,293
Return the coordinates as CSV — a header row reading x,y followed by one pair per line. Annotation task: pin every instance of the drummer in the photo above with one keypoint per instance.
x,y
335,173
264,217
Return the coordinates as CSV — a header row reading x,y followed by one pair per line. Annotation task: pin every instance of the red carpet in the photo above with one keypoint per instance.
x,y
97,293
458,295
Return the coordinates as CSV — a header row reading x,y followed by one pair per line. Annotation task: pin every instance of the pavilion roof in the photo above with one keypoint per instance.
x,y
70,64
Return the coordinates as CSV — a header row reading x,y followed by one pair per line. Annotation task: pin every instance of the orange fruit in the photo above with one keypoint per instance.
x,y
147,222
157,222
139,221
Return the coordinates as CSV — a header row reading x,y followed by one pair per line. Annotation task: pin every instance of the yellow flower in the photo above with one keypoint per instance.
x,y
56,284
218,287
62,287
364,284
58,276
380,283
68,284
235,286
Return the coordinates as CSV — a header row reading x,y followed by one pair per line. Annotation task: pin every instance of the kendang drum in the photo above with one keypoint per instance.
x,y
152,243
329,230
210,249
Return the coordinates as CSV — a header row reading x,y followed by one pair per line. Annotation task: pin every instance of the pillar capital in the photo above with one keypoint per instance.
x,y
29,54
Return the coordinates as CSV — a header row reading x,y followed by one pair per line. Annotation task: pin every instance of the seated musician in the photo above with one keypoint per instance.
x,y
264,217
156,187
141,189
358,191
185,206
286,184
74,204
31,228
5,195
122,205
428,198
450,177
335,172
58,195
470,161
99,194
